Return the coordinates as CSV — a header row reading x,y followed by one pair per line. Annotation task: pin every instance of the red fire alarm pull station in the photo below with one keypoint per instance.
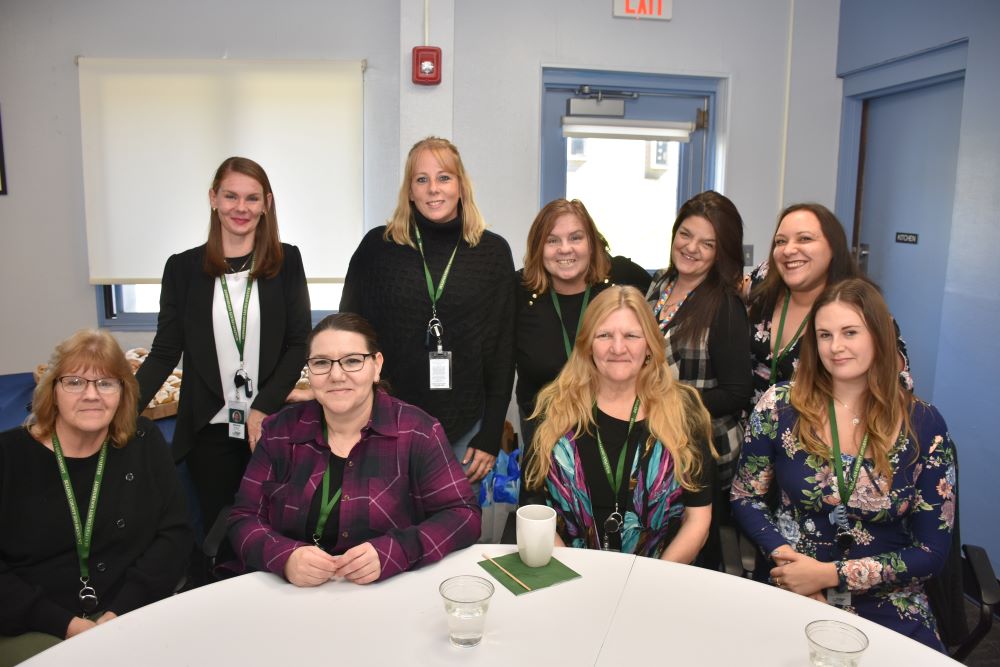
x,y
426,65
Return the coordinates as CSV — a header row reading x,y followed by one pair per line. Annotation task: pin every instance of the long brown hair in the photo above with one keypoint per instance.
x,y
398,227
724,277
536,278
812,387
268,254
88,349
765,296
674,411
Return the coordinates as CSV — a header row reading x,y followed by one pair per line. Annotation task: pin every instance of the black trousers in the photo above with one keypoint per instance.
x,y
216,464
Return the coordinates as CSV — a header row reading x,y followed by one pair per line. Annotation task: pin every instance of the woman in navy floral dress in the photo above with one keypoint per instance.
x,y
863,535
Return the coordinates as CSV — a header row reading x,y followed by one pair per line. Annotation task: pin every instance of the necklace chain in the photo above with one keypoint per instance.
x,y
662,311
855,418
246,263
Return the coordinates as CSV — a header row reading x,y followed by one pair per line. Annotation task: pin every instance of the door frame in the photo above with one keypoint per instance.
x,y
918,70
552,162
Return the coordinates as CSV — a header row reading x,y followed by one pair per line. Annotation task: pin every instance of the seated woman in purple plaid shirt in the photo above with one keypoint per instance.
x,y
354,484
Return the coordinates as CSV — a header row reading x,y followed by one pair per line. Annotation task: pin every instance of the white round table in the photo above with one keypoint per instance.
x,y
622,610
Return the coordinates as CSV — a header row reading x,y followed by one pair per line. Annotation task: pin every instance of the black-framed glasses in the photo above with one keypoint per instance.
x,y
74,384
349,363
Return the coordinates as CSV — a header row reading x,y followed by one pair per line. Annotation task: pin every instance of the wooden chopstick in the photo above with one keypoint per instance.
x,y
504,570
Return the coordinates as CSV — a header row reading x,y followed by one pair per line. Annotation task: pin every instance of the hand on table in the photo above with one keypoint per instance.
x,y
359,564
802,574
107,616
254,420
310,566
479,462
78,625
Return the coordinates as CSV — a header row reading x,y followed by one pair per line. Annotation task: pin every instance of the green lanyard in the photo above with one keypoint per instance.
x,y
616,481
240,336
778,354
84,533
845,486
434,294
555,302
328,503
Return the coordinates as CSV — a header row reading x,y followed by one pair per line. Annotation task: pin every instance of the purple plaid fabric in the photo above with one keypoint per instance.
x,y
403,490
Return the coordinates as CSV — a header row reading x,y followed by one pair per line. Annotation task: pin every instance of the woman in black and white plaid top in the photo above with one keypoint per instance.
x,y
704,322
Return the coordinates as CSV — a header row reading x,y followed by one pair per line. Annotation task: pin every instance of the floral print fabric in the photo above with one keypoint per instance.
x,y
901,526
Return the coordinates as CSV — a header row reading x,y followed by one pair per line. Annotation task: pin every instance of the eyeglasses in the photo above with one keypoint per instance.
x,y
351,363
74,384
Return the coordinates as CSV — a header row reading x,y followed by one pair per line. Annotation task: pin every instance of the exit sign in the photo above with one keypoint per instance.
x,y
660,10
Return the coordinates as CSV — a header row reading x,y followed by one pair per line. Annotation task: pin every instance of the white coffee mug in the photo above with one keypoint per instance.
x,y
536,534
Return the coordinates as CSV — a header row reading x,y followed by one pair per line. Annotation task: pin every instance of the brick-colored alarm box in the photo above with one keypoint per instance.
x,y
426,65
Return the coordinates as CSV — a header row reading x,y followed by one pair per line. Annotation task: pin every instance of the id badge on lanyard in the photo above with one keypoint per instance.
x,y
838,599
236,411
439,360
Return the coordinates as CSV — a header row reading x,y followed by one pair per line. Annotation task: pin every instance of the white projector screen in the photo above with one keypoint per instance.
x,y
154,132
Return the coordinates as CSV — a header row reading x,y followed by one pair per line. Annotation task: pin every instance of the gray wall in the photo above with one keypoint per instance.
x,y
489,104
501,49
45,295
966,389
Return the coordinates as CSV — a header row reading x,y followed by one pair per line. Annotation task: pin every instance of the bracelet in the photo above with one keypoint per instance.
x,y
841,578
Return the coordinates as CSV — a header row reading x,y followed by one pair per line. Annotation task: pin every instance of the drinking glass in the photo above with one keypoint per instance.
x,y
835,644
466,601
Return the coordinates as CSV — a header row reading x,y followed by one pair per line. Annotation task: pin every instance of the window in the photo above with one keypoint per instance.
x,y
135,307
301,120
635,164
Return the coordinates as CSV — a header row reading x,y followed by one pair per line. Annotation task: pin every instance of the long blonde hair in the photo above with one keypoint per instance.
x,y
398,227
674,411
887,402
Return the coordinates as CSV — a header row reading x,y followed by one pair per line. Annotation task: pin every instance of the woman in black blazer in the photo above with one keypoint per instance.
x,y
237,309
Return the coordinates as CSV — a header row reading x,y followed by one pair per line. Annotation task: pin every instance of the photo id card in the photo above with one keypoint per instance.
x,y
838,599
237,411
440,367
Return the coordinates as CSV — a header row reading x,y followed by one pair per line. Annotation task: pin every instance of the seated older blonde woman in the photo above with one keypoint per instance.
x,y
614,402
92,517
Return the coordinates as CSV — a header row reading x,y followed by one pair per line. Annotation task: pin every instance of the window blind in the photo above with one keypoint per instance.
x,y
154,131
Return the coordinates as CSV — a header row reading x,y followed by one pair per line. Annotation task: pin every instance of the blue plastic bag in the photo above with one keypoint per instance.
x,y
503,482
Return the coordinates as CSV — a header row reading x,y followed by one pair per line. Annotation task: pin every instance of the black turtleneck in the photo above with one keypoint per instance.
x,y
385,283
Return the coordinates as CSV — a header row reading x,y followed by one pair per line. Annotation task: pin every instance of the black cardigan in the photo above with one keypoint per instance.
x,y
385,284
141,539
185,327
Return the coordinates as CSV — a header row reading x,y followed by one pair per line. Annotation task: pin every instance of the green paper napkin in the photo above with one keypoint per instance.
x,y
555,572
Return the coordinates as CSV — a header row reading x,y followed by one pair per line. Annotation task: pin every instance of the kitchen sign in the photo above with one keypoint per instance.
x,y
660,10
